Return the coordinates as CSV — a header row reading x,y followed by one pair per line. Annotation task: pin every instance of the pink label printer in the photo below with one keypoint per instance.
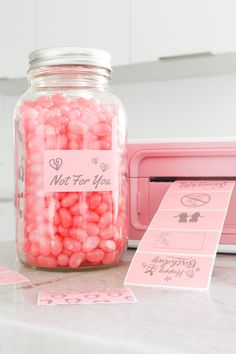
x,y
152,166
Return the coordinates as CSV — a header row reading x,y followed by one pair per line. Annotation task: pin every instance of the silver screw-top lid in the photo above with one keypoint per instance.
x,y
69,56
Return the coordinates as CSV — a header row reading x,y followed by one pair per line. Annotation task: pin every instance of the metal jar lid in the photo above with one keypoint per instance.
x,y
69,56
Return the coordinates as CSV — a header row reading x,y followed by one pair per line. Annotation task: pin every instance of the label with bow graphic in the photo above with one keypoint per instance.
x,y
79,170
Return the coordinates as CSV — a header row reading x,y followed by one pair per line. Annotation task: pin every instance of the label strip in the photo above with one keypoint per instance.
x,y
109,296
179,247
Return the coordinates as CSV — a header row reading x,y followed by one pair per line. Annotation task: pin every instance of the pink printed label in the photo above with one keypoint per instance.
x,y
195,200
179,247
171,270
4,269
9,277
189,219
201,186
163,241
109,296
79,170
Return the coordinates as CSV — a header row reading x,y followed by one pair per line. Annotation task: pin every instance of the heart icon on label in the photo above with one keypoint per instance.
x,y
55,163
92,296
94,160
190,273
104,166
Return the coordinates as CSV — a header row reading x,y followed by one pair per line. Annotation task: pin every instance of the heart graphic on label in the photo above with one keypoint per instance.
x,y
55,163
94,160
190,273
104,166
92,296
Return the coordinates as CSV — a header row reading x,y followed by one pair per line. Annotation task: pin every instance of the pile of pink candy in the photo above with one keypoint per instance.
x,y
70,229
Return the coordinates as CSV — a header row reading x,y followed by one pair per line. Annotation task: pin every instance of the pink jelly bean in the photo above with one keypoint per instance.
x,y
91,216
47,262
95,201
65,216
32,260
59,100
56,245
35,144
62,141
74,114
60,195
50,143
50,131
35,169
108,232
102,129
34,236
90,243
71,245
44,101
69,200
63,260
102,208
105,219
107,198
62,231
72,137
95,256
107,245
73,145
100,145
34,250
77,220
44,246
78,234
121,243
76,259
29,113
40,131
77,127
63,130
79,208
92,229
35,157
109,258
56,219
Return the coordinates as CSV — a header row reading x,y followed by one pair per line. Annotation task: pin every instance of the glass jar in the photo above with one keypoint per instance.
x,y
70,148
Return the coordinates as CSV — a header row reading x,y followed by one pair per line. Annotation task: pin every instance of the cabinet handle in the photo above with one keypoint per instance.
x,y
186,56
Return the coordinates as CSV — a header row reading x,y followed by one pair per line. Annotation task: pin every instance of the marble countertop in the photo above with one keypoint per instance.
x,y
162,321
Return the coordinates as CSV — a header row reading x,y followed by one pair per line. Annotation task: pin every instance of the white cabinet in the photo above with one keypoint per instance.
x,y
100,24
163,28
16,36
224,26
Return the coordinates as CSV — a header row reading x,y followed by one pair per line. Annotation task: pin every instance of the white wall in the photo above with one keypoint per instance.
x,y
197,107
7,104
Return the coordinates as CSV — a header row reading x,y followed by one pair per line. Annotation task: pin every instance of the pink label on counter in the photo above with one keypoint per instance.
x,y
109,296
79,170
4,269
171,270
179,247
10,277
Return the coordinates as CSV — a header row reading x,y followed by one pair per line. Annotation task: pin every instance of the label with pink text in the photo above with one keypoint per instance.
x,y
79,170
179,247
109,296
